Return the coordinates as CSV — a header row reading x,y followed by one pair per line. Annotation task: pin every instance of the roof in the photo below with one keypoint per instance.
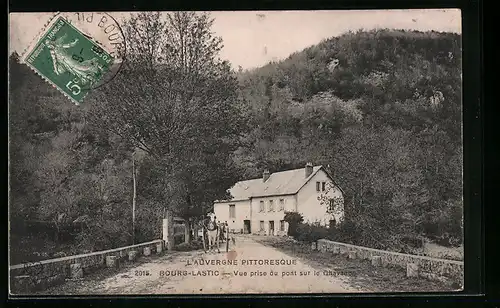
x,y
279,184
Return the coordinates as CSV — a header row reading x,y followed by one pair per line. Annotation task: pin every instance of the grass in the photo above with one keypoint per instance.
x,y
359,273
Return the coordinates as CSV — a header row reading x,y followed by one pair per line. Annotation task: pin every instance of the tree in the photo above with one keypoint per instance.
x,y
293,219
177,101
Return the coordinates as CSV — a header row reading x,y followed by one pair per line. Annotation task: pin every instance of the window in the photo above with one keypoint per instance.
x,y
271,205
332,223
323,186
331,205
261,208
261,225
282,225
317,186
232,211
282,204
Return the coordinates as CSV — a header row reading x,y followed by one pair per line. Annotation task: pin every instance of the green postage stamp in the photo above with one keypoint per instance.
x,y
69,60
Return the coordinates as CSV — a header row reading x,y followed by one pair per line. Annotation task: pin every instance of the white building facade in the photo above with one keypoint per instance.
x,y
258,206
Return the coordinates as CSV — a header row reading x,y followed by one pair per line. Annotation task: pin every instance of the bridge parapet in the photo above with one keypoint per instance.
x,y
428,267
35,276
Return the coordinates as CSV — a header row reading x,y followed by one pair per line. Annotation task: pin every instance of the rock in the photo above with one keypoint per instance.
x,y
336,250
147,251
75,270
132,255
351,254
411,270
376,261
111,261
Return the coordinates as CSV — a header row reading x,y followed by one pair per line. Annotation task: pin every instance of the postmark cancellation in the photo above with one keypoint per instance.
x,y
73,61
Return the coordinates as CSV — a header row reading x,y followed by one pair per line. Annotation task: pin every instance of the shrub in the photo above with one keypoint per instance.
x,y
310,233
194,245
184,247
293,219
444,225
348,232
103,235
178,239
448,240
413,241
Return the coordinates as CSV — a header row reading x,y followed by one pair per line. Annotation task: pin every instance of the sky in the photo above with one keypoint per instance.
x,y
253,38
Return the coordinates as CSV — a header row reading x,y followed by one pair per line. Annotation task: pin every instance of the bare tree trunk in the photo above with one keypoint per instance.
x,y
133,202
187,231
361,195
56,237
195,231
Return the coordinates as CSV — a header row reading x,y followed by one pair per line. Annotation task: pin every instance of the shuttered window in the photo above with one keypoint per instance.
x,y
331,206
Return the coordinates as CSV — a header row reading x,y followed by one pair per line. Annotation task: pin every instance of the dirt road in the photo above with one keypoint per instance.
x,y
249,267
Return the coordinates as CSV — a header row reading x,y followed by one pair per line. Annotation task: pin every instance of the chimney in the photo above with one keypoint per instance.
x,y
309,169
265,175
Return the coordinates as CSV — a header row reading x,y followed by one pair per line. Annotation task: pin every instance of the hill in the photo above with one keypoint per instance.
x,y
381,109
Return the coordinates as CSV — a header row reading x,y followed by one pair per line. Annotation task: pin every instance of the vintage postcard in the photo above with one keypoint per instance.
x,y
235,152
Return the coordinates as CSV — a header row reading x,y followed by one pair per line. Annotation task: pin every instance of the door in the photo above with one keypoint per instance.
x,y
271,227
246,227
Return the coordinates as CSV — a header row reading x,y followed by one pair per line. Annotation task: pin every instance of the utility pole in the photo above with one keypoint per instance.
x,y
133,200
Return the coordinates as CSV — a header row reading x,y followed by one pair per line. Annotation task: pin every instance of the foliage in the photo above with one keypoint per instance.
x,y
380,109
310,233
293,219
193,245
355,234
175,96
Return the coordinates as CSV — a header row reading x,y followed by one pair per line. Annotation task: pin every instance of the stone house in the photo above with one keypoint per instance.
x,y
258,206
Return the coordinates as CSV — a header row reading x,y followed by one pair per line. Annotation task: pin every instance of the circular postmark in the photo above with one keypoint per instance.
x,y
110,45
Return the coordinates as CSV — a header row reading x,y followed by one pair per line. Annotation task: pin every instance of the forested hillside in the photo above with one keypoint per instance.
x,y
381,109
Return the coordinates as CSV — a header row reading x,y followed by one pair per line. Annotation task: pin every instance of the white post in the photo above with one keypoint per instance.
x,y
165,230
168,231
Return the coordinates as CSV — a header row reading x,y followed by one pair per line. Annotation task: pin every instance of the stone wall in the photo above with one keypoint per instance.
x,y
431,268
28,277
276,233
